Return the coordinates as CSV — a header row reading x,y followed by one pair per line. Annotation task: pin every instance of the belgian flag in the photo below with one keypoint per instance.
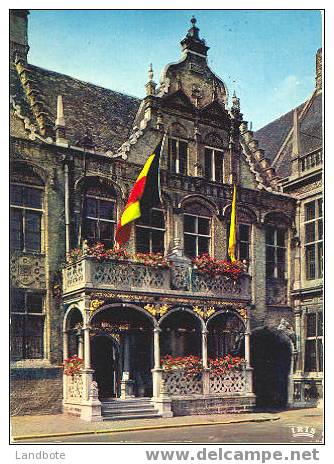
x,y
144,195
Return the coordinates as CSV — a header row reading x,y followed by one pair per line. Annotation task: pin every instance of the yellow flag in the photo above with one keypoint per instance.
x,y
232,241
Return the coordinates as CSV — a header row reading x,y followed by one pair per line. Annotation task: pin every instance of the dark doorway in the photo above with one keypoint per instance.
x,y
105,362
271,359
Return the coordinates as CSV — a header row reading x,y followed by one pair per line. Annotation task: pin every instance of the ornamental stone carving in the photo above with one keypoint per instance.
x,y
27,271
231,382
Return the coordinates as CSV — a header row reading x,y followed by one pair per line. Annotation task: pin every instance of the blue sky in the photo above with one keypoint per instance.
x,y
267,57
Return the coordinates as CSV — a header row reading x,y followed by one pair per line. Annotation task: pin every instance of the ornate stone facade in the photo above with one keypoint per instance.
x,y
104,154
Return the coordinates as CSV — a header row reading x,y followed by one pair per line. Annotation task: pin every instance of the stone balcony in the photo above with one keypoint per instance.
x,y
91,274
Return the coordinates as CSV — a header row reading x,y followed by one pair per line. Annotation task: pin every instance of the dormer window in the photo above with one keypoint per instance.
x,y
213,164
178,156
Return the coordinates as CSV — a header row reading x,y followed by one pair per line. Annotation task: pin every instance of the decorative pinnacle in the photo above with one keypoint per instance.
x,y
150,73
193,20
60,121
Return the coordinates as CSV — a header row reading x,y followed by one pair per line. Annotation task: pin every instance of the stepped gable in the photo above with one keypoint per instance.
x,y
107,115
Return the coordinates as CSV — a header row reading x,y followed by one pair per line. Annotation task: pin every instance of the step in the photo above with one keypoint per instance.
x,y
134,416
125,401
128,411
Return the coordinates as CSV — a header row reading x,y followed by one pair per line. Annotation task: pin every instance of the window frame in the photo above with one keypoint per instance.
x,y
317,338
23,220
26,314
98,220
177,158
214,151
276,247
151,228
249,225
196,234
316,243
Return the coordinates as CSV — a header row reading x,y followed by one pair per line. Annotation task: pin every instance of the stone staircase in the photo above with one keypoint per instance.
x,y
130,408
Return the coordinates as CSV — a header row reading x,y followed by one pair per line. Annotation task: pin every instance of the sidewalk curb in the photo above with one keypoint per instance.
x,y
139,428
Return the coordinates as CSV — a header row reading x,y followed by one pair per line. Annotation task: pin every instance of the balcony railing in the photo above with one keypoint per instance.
x,y
91,273
178,383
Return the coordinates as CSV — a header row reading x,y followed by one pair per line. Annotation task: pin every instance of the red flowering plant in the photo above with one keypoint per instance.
x,y
208,265
191,364
151,259
219,366
72,365
98,251
74,255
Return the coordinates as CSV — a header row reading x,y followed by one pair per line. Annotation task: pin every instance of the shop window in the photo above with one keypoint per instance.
x,y
27,325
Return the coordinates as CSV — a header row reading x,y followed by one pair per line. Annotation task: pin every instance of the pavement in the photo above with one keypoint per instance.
x,y
51,427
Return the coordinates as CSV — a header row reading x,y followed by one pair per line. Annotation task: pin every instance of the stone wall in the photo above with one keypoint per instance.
x,y
213,405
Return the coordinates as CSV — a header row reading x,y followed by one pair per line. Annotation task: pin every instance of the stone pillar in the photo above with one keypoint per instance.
x,y
156,344
156,371
248,369
87,361
247,343
205,348
65,344
80,346
65,356
126,383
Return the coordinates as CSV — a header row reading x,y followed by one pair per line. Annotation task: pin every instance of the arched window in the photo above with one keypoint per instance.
x,y
197,230
26,202
150,232
99,213
213,158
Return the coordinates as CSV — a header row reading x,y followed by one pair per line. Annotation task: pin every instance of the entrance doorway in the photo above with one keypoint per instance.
x,y
105,362
271,360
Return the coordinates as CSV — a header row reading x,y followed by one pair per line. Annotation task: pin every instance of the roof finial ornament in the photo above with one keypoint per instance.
x,y
235,101
151,85
193,20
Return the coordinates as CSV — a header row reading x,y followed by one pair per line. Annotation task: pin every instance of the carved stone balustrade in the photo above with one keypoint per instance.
x,y
221,286
117,275
90,273
177,383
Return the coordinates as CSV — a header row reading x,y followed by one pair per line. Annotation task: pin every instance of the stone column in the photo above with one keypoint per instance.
x,y
87,361
65,344
156,344
80,346
156,371
65,356
248,369
205,348
126,383
247,343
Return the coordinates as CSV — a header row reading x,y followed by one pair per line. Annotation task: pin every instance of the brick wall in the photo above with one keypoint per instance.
x,y
36,391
